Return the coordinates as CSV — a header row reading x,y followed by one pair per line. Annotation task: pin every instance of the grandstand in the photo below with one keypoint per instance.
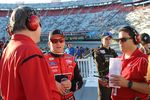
x,y
84,19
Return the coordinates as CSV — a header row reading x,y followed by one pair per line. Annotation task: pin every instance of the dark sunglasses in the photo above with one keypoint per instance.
x,y
57,40
123,39
40,24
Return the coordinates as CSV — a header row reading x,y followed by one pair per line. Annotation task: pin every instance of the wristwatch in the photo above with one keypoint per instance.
x,y
1,98
130,84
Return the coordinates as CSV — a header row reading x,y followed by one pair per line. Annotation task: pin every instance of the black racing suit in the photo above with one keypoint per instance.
x,y
101,58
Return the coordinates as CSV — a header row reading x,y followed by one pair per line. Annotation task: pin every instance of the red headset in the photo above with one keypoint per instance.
x,y
33,22
137,39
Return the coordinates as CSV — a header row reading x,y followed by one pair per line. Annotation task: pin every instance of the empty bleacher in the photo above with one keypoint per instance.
x,y
100,18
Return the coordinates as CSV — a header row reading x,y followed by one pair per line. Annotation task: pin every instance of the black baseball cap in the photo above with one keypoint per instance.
x,y
55,32
145,38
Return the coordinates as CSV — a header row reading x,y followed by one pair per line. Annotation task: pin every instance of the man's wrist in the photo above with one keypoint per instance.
x,y
1,98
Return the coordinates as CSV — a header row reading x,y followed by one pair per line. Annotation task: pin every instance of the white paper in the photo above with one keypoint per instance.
x,y
114,68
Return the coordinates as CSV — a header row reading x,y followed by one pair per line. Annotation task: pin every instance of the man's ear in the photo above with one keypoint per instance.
x,y
48,43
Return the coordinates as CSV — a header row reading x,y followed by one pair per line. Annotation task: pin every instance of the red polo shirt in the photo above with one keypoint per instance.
x,y
134,69
24,71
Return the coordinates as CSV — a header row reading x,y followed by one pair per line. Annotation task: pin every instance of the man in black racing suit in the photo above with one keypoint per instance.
x,y
101,59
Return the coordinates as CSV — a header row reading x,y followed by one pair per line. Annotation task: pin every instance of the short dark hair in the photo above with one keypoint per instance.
x,y
55,32
19,18
132,33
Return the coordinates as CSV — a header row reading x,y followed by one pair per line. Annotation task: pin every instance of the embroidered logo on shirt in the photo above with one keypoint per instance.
x,y
102,51
70,66
68,61
52,63
68,56
51,58
54,70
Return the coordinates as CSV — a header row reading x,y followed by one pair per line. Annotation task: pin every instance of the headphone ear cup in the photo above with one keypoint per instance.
x,y
33,22
138,39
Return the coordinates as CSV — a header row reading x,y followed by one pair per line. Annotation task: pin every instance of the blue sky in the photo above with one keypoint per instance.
x,y
28,1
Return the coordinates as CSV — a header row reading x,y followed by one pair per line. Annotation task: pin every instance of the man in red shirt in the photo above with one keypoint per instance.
x,y
132,82
23,69
64,67
1,47
148,71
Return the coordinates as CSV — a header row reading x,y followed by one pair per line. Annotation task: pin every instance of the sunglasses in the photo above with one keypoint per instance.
x,y
40,24
123,39
57,40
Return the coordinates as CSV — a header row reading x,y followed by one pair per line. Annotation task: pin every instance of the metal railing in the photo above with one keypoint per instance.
x,y
87,67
